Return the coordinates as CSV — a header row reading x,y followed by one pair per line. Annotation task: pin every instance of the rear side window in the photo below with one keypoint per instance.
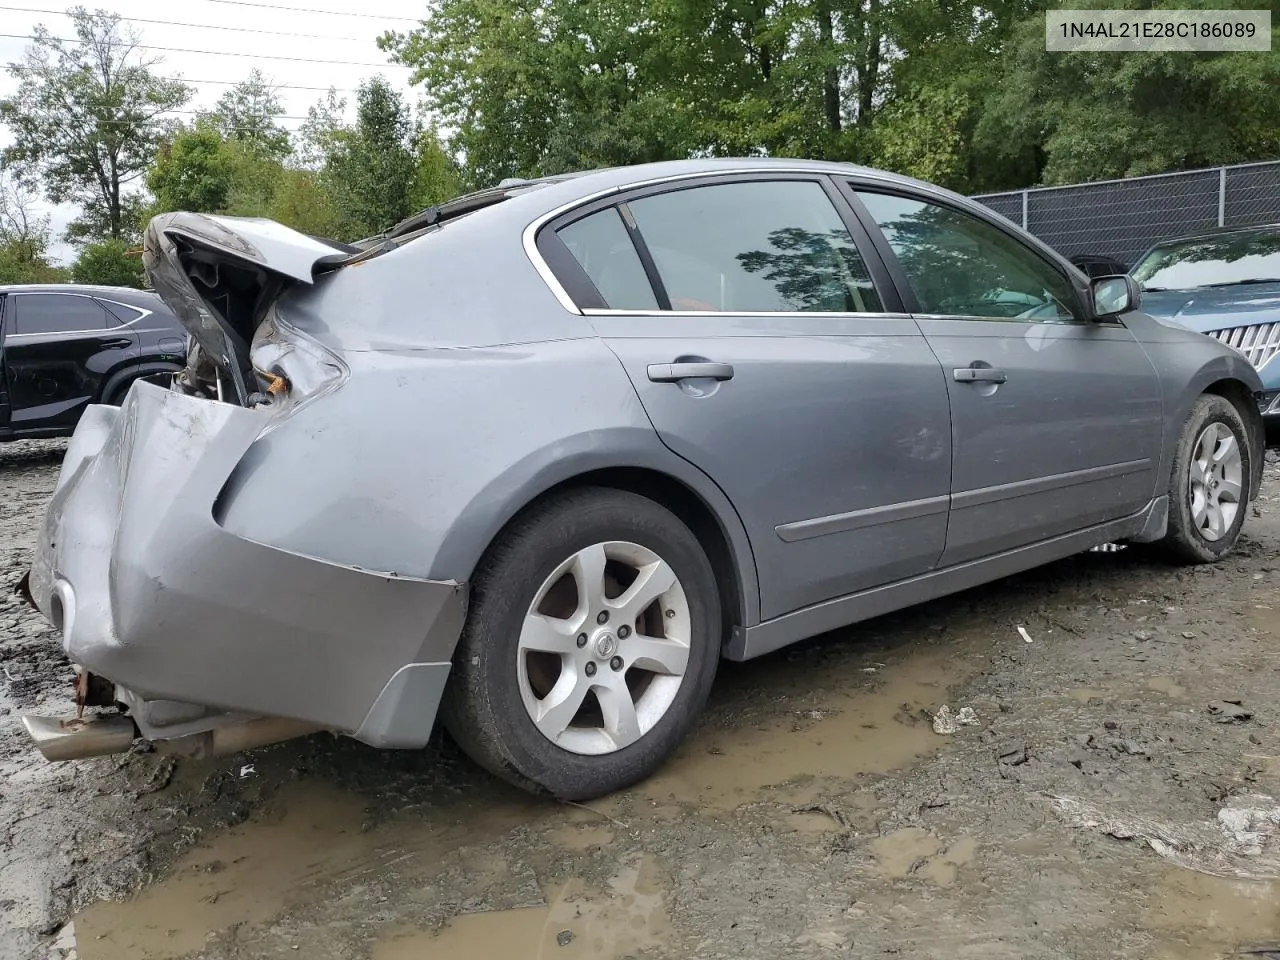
x,y
603,249
120,312
56,313
757,247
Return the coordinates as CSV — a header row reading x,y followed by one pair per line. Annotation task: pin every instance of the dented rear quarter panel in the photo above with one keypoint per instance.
x,y
377,475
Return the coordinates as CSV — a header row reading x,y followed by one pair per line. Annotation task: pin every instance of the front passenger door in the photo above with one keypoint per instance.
x,y
1056,419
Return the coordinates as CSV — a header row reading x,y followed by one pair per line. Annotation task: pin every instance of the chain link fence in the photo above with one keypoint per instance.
x,y
1122,218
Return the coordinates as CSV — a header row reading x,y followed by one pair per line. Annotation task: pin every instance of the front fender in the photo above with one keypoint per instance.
x,y
1188,378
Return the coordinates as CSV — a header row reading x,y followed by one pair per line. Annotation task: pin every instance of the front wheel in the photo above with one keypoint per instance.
x,y
1209,490
591,643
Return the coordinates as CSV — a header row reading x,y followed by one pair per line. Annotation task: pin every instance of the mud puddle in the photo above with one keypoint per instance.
x,y
310,842
627,916
865,722
1194,916
595,893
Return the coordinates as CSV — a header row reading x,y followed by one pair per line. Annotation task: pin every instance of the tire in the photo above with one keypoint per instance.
x,y
1194,536
501,680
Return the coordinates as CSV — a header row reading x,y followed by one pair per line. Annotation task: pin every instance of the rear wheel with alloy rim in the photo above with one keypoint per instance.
x,y
591,643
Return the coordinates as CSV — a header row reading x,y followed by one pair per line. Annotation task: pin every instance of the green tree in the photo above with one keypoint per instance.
x,y
370,169
194,171
437,177
1068,117
531,87
539,86
86,120
302,202
247,114
320,131
24,238
111,262
924,135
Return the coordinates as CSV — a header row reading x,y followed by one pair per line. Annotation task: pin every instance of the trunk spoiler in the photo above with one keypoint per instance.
x,y
220,275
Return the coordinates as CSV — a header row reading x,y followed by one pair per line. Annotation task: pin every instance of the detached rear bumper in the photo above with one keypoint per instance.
x,y
200,628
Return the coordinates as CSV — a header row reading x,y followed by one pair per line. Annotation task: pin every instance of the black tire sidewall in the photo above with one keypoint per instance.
x,y
485,691
1184,537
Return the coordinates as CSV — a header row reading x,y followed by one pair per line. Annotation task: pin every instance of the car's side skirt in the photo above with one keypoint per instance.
x,y
832,614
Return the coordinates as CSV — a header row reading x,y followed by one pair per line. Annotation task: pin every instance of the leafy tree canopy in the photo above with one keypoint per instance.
x,y
86,120
113,263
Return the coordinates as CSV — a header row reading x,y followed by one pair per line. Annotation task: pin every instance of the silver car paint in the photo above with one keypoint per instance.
x,y
149,591
861,504
474,387
1072,438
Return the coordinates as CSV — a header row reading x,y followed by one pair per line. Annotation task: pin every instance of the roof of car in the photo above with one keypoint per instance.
x,y
642,172
1221,232
123,294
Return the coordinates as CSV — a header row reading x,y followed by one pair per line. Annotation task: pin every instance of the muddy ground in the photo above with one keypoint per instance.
x,y
1097,808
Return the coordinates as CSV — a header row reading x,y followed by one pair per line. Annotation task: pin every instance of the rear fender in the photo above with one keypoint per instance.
x,y
422,457
574,457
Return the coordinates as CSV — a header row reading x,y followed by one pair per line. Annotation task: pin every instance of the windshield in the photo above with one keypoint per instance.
x,y
1229,259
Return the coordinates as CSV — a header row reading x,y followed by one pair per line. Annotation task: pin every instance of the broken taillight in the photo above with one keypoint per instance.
x,y
291,368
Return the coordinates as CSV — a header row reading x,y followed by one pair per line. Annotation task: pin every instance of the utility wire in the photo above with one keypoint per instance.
x,y
199,26
331,13
222,53
274,86
201,113
233,83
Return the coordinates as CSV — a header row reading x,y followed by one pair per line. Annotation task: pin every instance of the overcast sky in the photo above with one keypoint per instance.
x,y
222,26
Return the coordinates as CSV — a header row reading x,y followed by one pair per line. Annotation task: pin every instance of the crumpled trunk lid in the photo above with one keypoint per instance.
x,y
220,275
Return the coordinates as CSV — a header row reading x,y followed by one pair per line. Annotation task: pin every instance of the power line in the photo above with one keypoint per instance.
x,y
221,53
274,86
236,83
199,26
202,113
331,13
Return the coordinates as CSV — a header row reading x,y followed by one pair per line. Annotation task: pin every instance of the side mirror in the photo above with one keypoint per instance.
x,y
1113,295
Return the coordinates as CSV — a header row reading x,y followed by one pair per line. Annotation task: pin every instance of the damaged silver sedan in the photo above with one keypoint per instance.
x,y
538,458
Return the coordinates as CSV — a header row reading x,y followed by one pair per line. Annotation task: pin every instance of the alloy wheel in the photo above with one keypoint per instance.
x,y
604,647
1217,481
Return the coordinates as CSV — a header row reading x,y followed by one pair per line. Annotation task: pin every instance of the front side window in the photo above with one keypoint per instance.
x,y
757,247
57,313
603,249
959,265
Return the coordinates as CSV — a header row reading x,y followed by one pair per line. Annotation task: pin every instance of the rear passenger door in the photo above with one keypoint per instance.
x,y
1056,419
59,350
768,350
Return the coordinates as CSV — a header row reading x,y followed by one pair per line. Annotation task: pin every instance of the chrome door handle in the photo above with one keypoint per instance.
x,y
979,375
675,372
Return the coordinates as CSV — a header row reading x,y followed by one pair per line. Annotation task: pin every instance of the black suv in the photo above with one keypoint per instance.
x,y
63,347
